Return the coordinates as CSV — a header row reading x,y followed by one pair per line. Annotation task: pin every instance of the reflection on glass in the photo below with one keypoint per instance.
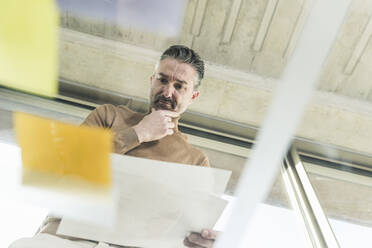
x,y
346,200
163,16
273,218
108,51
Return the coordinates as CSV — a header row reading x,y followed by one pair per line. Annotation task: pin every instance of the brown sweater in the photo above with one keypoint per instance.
x,y
171,148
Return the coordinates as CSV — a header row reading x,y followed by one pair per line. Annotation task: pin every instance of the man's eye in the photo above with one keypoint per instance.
x,y
178,86
163,80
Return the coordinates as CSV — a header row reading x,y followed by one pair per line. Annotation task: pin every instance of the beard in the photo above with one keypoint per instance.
x,y
165,103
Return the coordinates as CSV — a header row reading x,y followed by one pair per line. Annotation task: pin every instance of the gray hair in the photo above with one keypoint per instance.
x,y
188,56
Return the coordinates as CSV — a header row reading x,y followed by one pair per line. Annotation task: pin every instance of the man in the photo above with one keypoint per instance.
x,y
155,135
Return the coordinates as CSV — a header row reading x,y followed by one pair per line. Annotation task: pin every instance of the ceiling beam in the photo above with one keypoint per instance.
x,y
300,23
198,17
231,21
265,24
359,48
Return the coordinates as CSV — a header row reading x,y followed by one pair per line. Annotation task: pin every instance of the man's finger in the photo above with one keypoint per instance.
x,y
209,234
196,238
187,243
170,125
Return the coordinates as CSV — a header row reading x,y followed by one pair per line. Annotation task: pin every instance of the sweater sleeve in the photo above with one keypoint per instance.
x,y
103,116
126,140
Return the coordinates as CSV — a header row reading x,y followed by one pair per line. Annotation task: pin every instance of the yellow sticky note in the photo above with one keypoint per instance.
x,y
28,45
64,150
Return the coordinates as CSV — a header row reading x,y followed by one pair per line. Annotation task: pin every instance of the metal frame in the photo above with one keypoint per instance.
x,y
304,199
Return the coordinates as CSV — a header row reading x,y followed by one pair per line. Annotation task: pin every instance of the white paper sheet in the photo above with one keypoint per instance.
x,y
189,177
159,203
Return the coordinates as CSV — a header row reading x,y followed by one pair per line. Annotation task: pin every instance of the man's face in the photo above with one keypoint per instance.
x,y
172,86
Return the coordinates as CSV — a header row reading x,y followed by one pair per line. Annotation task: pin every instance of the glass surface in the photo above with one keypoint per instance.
x,y
19,218
346,200
274,222
107,54
274,217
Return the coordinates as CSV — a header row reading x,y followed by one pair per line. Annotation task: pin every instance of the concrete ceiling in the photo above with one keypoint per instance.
x,y
247,44
348,71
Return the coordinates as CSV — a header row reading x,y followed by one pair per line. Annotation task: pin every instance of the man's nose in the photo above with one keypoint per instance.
x,y
168,91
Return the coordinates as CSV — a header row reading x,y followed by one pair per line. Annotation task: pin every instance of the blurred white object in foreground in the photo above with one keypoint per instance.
x,y
294,90
78,201
18,219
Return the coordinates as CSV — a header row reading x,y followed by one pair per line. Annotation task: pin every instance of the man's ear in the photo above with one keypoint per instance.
x,y
195,95
151,78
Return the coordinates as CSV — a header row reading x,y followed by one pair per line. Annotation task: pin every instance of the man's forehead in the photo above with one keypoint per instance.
x,y
176,70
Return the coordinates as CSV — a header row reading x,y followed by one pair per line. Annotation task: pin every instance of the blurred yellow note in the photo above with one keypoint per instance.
x,y
64,150
28,45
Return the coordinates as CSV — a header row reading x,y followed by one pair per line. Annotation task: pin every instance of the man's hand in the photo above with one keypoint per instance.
x,y
155,126
205,239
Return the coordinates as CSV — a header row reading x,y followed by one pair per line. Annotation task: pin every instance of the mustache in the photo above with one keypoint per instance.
x,y
162,98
